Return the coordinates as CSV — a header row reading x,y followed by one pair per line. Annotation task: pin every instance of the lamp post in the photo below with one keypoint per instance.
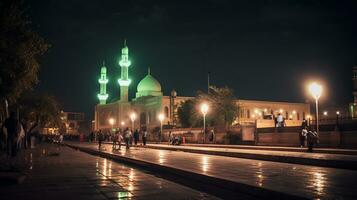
x,y
204,110
132,118
161,118
316,91
111,122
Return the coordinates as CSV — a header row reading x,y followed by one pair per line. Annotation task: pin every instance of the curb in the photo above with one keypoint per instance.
x,y
340,164
261,147
216,186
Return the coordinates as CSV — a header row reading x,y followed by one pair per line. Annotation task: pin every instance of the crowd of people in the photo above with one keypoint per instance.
x,y
128,136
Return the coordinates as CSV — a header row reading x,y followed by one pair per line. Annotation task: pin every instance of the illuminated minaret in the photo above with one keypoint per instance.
x,y
103,96
124,80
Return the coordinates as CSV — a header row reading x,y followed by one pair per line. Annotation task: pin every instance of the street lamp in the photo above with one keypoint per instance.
x,y
161,118
132,117
316,91
111,122
204,110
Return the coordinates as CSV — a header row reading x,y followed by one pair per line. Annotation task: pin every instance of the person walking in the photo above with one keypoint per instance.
x,y
136,137
312,139
115,139
100,139
170,138
144,136
127,136
12,126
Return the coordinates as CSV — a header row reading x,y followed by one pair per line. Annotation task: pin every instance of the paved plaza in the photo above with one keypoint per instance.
x,y
55,172
300,180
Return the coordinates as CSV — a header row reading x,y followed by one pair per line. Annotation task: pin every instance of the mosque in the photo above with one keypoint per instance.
x,y
149,102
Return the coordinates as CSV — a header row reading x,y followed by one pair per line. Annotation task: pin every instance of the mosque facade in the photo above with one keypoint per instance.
x,y
149,102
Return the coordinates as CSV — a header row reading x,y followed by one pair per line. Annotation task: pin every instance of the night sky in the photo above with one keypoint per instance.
x,y
264,50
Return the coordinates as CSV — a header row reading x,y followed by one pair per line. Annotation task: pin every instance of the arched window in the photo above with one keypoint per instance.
x,y
166,110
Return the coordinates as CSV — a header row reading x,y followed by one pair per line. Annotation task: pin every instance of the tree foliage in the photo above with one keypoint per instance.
x,y
39,111
20,51
223,109
186,113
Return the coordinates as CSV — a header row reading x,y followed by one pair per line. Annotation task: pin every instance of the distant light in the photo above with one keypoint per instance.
x,y
256,110
290,116
253,116
294,112
111,121
315,90
161,117
265,110
325,113
122,123
337,112
204,108
281,110
133,116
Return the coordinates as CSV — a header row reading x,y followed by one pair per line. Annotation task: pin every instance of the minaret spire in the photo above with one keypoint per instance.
x,y
124,80
103,96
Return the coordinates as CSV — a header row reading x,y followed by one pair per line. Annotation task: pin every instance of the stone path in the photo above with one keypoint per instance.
x,y
62,173
300,180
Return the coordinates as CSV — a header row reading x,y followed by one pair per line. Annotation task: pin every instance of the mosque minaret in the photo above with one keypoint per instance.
x,y
124,80
103,96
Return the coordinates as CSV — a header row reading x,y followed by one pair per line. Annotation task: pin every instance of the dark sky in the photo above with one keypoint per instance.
x,y
264,50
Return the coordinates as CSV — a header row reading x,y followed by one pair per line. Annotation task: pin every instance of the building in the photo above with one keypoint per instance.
x,y
73,122
149,102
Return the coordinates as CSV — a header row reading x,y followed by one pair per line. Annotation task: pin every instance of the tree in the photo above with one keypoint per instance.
x,y
223,106
20,51
39,111
187,114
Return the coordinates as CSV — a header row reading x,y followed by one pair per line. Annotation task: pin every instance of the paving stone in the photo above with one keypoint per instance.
x,y
76,175
302,180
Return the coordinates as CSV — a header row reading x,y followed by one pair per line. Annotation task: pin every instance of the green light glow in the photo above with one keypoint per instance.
x,y
103,97
124,82
124,63
103,81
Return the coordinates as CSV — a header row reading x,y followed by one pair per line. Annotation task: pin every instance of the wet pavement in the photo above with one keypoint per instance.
x,y
320,156
301,180
55,172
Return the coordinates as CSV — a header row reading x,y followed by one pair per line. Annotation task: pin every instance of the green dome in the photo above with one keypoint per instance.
x,y
149,86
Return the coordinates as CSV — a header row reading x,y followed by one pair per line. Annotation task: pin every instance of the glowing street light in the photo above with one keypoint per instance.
x,y
132,118
161,118
316,91
325,113
111,122
204,110
122,123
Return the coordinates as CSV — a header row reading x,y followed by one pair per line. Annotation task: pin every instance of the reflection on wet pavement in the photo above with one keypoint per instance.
x,y
302,180
77,175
